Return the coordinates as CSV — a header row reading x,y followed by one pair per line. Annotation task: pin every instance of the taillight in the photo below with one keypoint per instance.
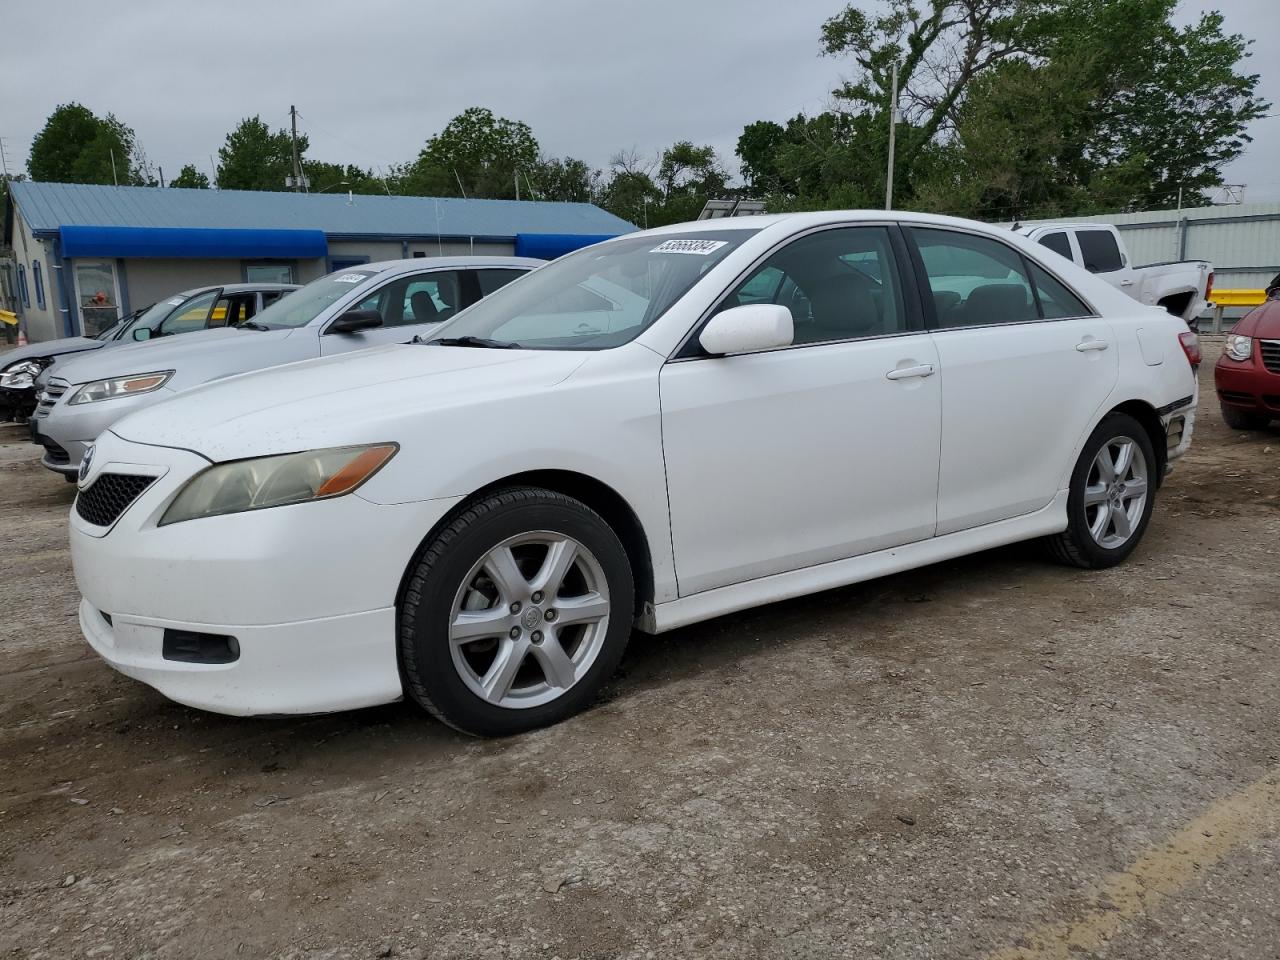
x,y
1191,347
1208,288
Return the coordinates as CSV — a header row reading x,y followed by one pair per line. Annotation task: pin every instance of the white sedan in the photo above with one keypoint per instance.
x,y
663,428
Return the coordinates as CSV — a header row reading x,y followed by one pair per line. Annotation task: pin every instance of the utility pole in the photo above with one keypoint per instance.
x,y
4,161
161,169
893,130
517,183
114,179
297,165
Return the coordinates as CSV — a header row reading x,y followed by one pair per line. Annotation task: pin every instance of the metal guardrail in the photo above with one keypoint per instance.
x,y
1234,298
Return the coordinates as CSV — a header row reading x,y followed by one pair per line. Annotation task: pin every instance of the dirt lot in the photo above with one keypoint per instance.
x,y
994,756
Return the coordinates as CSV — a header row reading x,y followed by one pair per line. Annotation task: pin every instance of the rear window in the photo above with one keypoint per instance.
x,y
304,305
1058,243
1099,250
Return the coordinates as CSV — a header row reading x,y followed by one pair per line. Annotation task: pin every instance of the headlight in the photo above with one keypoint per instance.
x,y
277,481
1238,347
121,387
21,375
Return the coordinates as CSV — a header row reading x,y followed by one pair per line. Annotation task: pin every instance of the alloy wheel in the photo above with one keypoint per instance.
x,y
1115,494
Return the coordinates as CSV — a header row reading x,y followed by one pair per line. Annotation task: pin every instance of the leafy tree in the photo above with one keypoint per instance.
x,y
336,178
76,146
191,178
254,158
476,154
630,192
569,180
758,149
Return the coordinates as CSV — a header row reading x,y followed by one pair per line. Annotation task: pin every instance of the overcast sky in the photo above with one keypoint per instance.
x,y
373,80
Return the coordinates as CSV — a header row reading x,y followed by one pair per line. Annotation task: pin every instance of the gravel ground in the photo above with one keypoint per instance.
x,y
994,756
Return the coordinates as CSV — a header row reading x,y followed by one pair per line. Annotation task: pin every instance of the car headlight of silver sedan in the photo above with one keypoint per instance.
x,y
277,481
20,376
1238,347
129,386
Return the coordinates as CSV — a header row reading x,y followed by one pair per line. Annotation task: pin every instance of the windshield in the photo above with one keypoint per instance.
x,y
149,317
600,297
304,305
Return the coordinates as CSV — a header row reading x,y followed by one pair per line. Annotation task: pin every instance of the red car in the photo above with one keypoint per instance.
x,y
1248,374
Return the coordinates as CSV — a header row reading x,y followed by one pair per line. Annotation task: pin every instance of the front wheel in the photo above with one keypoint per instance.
x,y
516,614
1112,492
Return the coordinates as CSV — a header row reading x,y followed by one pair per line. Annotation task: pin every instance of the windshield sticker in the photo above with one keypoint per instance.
x,y
174,302
349,278
699,248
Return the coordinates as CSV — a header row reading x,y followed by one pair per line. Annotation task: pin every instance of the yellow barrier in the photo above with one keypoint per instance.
x,y
1238,298
8,317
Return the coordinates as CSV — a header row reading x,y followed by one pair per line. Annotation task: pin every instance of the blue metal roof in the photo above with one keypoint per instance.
x,y
46,207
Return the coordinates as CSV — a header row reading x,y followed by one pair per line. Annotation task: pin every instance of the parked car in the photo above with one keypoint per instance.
x,y
785,404
373,304
1181,287
1247,375
191,310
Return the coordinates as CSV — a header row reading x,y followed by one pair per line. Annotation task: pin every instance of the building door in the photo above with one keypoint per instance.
x,y
97,295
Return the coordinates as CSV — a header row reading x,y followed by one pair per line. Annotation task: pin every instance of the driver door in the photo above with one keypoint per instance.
x,y
411,305
817,452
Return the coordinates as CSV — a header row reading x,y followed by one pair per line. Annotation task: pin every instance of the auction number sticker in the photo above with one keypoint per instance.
x,y
698,248
349,278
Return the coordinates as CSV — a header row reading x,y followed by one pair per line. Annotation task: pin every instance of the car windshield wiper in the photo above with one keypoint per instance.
x,y
472,342
251,325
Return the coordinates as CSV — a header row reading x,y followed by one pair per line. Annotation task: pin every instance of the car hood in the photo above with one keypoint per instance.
x,y
207,347
367,396
1264,322
50,348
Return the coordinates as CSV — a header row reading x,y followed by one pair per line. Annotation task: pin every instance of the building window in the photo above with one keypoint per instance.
x,y
22,286
268,273
38,280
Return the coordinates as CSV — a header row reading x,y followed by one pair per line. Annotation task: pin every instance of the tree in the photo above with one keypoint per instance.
x,y
76,146
476,155
630,192
190,178
254,158
335,178
568,180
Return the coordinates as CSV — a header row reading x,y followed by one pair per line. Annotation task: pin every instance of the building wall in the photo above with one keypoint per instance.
x,y
40,324
150,281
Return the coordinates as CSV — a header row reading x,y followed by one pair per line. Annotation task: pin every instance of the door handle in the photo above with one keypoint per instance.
x,y
1126,283
907,373
1084,346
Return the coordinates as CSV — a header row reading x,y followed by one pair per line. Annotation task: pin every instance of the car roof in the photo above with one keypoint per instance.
x,y
818,218
233,288
441,263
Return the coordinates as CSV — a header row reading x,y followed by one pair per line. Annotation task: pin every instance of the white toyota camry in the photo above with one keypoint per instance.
x,y
653,431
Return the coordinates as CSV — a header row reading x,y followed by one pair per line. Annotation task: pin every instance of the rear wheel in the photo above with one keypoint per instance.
x,y
1243,419
1112,492
516,614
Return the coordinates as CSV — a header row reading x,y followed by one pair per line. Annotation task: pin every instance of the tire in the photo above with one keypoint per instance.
x,y
545,659
1080,545
1243,419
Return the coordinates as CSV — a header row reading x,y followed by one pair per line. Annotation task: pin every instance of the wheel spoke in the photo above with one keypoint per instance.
x,y
1124,459
1098,529
496,683
1106,466
559,560
555,662
1135,487
1121,518
478,624
1095,495
588,608
500,564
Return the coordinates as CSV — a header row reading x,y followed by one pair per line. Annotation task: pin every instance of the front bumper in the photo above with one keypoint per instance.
x,y
65,429
1248,385
17,405
307,591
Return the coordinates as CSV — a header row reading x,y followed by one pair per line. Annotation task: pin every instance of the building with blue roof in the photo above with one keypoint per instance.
x,y
87,253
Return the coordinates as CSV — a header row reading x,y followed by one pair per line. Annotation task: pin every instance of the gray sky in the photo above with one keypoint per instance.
x,y
373,80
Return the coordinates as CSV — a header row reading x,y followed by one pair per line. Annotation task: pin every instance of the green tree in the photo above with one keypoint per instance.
x,y
335,178
190,178
476,154
76,146
567,179
254,158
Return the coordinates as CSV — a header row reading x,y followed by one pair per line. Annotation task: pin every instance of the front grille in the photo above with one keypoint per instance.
x,y
110,496
1270,354
54,389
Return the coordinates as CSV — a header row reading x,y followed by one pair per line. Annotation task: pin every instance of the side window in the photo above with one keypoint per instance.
x,y
419,298
491,280
192,315
1057,242
975,281
1056,301
271,296
839,284
39,282
22,286
1099,250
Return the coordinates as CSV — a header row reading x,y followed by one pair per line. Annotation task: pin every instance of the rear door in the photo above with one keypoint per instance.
x,y
1025,367
1100,253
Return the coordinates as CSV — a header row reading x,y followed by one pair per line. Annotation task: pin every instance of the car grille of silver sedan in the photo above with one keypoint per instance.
x,y
49,396
111,495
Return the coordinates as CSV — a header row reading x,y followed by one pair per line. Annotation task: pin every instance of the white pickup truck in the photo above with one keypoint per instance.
x,y
1181,287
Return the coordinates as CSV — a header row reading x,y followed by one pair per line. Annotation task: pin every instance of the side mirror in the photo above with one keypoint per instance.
x,y
749,329
354,321
142,333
